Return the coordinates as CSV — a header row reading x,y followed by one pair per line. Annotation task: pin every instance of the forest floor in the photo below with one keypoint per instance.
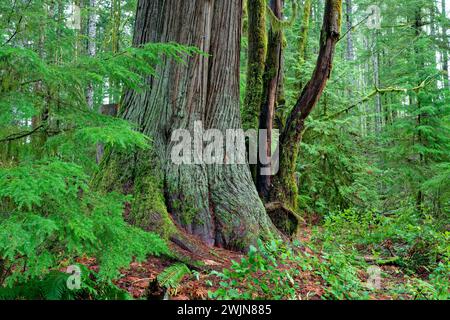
x,y
139,280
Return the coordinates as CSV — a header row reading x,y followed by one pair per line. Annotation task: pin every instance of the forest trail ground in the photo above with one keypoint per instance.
x,y
140,278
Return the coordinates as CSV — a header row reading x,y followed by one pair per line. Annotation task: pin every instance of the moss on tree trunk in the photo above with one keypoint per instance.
x,y
257,43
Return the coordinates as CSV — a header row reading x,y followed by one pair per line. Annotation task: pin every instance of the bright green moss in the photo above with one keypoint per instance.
x,y
140,177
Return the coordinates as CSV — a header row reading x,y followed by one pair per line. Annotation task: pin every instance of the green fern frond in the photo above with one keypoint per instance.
x,y
54,286
172,276
9,293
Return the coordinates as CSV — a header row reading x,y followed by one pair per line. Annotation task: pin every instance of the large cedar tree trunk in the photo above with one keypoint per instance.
x,y
218,203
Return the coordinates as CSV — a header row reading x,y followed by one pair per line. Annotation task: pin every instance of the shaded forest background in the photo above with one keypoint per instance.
x,y
370,176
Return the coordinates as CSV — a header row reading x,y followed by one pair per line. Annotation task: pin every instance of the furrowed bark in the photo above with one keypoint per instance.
x,y
218,203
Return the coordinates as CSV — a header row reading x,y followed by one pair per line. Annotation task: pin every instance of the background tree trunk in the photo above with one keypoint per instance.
x,y
350,56
376,80
272,76
303,42
218,203
445,45
257,38
92,34
284,188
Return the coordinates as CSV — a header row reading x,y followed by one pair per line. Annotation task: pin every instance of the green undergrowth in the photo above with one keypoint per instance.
x,y
50,217
336,255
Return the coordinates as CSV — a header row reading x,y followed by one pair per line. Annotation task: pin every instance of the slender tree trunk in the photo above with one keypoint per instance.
x,y
350,56
92,35
271,89
257,38
284,187
303,43
39,88
362,106
420,65
378,103
116,17
92,51
216,202
445,45
116,12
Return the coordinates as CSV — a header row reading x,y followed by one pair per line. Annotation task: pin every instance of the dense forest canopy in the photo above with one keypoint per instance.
x,y
349,183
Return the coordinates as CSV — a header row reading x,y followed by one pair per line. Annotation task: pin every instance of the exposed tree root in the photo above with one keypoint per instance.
x,y
192,251
284,218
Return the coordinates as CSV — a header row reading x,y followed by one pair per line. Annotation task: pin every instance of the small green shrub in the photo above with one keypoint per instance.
x,y
263,274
